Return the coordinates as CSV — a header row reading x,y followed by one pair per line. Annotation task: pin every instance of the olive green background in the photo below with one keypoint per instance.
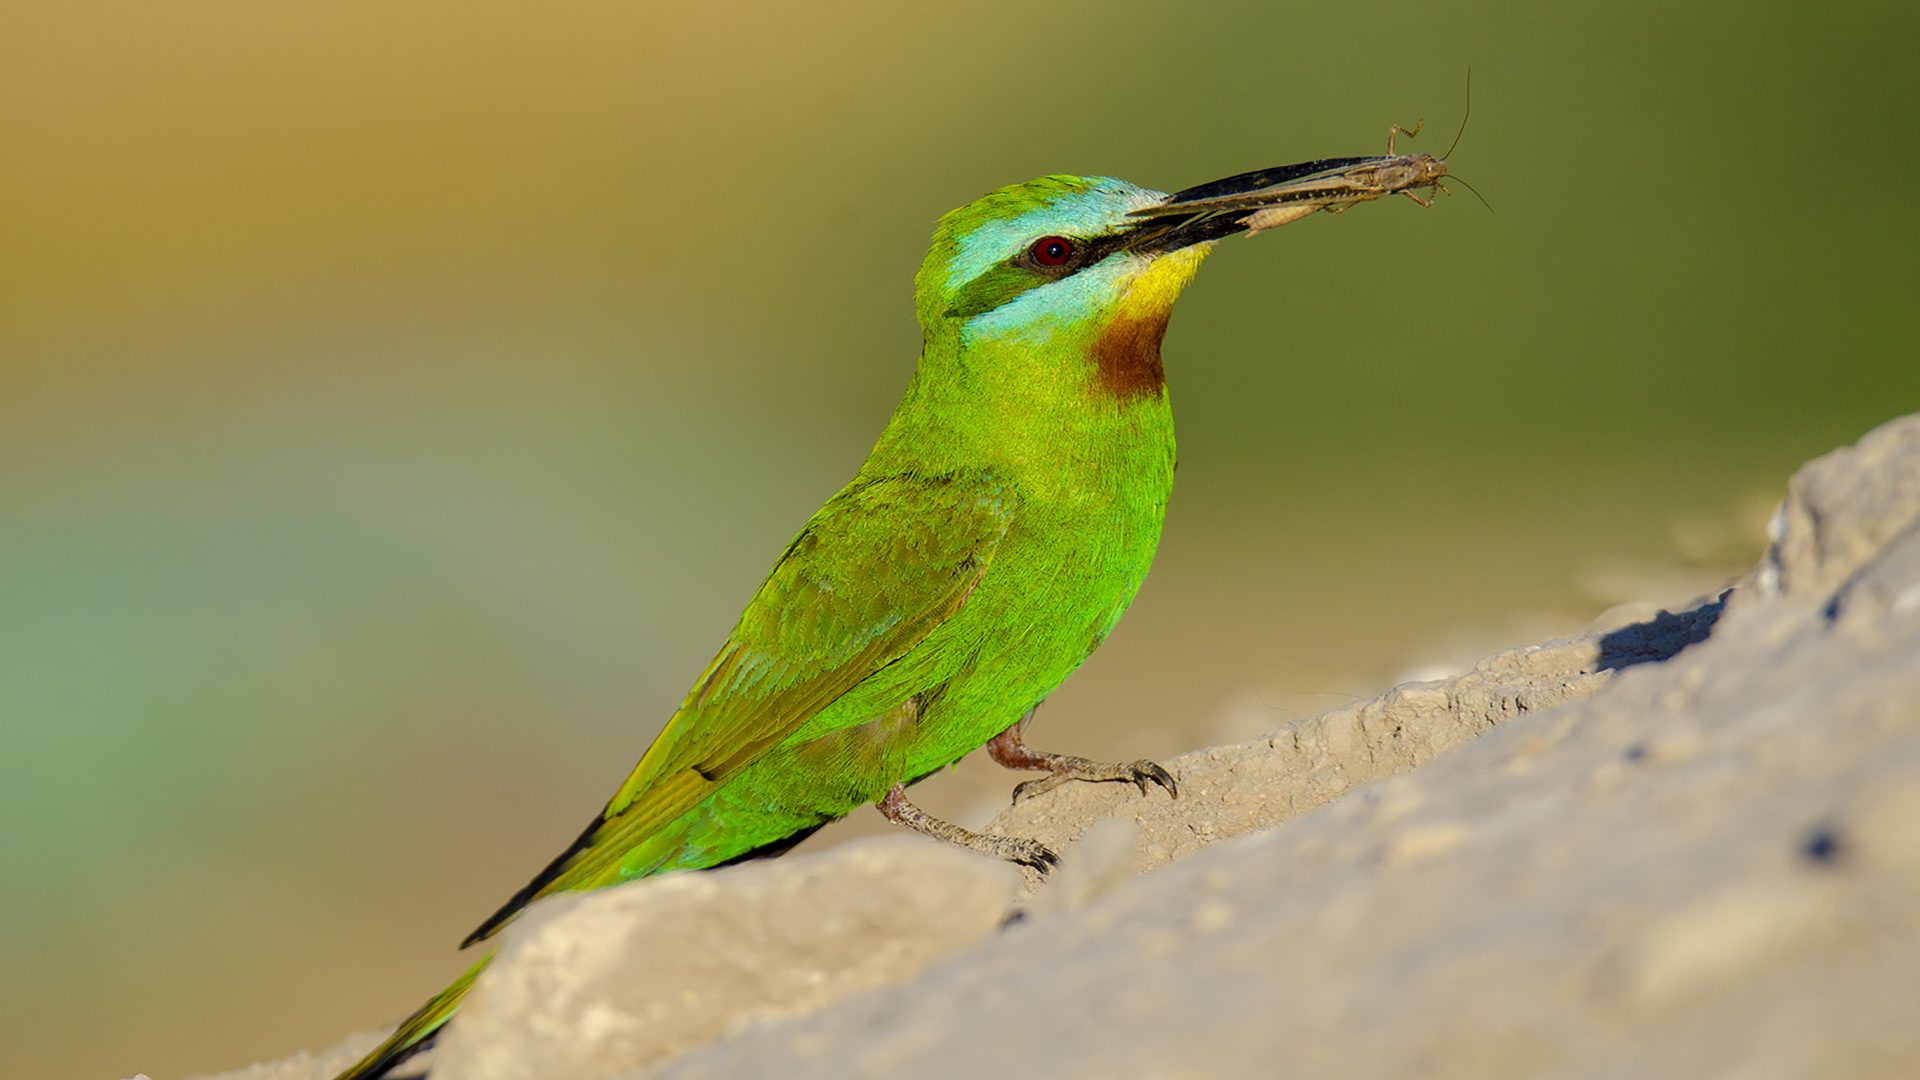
x,y
398,400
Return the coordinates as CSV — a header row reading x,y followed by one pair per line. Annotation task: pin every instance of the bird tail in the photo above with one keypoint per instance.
x,y
417,1032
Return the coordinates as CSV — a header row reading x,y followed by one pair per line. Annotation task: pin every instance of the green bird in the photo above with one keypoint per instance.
x,y
989,543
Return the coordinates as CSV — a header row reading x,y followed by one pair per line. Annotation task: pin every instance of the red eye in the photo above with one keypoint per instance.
x,y
1052,250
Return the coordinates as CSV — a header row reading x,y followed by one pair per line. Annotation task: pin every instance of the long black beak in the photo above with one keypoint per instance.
x,y
1220,208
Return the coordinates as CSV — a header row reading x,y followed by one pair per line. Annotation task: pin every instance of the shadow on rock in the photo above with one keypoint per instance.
x,y
1659,638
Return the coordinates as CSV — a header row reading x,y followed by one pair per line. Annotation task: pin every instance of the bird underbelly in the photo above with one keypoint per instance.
x,y
1033,620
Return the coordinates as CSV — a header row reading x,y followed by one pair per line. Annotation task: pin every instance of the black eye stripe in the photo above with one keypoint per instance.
x,y
1021,272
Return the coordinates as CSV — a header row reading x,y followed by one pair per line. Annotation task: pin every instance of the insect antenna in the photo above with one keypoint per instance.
x,y
1476,191
1463,123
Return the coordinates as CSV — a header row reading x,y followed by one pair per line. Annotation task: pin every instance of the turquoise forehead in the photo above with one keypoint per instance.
x,y
992,229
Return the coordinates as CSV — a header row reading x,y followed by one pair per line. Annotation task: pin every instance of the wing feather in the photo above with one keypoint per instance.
x,y
883,564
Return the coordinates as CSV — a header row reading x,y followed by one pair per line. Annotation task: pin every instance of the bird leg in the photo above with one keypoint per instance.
x,y
1007,749
895,808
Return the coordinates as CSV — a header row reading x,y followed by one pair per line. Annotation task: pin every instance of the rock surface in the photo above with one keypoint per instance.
x,y
620,978
1684,847
1229,790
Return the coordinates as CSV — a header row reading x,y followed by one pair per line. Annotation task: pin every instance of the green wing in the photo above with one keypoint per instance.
x,y
875,571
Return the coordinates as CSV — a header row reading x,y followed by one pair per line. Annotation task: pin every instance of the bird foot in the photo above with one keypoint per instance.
x,y
1017,849
1007,749
1063,769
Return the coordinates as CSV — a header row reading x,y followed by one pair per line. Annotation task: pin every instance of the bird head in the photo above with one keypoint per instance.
x,y
1088,262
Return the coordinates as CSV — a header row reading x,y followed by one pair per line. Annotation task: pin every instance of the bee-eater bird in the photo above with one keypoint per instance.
x,y
993,537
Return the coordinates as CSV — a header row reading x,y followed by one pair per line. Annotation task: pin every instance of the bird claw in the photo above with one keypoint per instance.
x,y
1144,771
1018,849
1062,769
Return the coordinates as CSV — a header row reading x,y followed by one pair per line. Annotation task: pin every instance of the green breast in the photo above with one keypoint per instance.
x,y
1080,547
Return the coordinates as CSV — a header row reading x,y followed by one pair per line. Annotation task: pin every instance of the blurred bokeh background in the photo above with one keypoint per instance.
x,y
398,400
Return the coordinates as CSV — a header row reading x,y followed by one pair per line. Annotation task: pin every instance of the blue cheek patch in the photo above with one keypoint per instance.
x,y
1038,313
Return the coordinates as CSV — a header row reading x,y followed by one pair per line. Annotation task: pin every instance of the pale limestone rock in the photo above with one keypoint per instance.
x,y
1840,510
596,983
1229,790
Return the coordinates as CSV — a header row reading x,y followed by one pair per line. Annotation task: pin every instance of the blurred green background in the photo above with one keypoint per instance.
x,y
398,400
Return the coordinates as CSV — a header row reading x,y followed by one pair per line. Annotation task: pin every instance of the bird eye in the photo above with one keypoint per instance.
x,y
1052,250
